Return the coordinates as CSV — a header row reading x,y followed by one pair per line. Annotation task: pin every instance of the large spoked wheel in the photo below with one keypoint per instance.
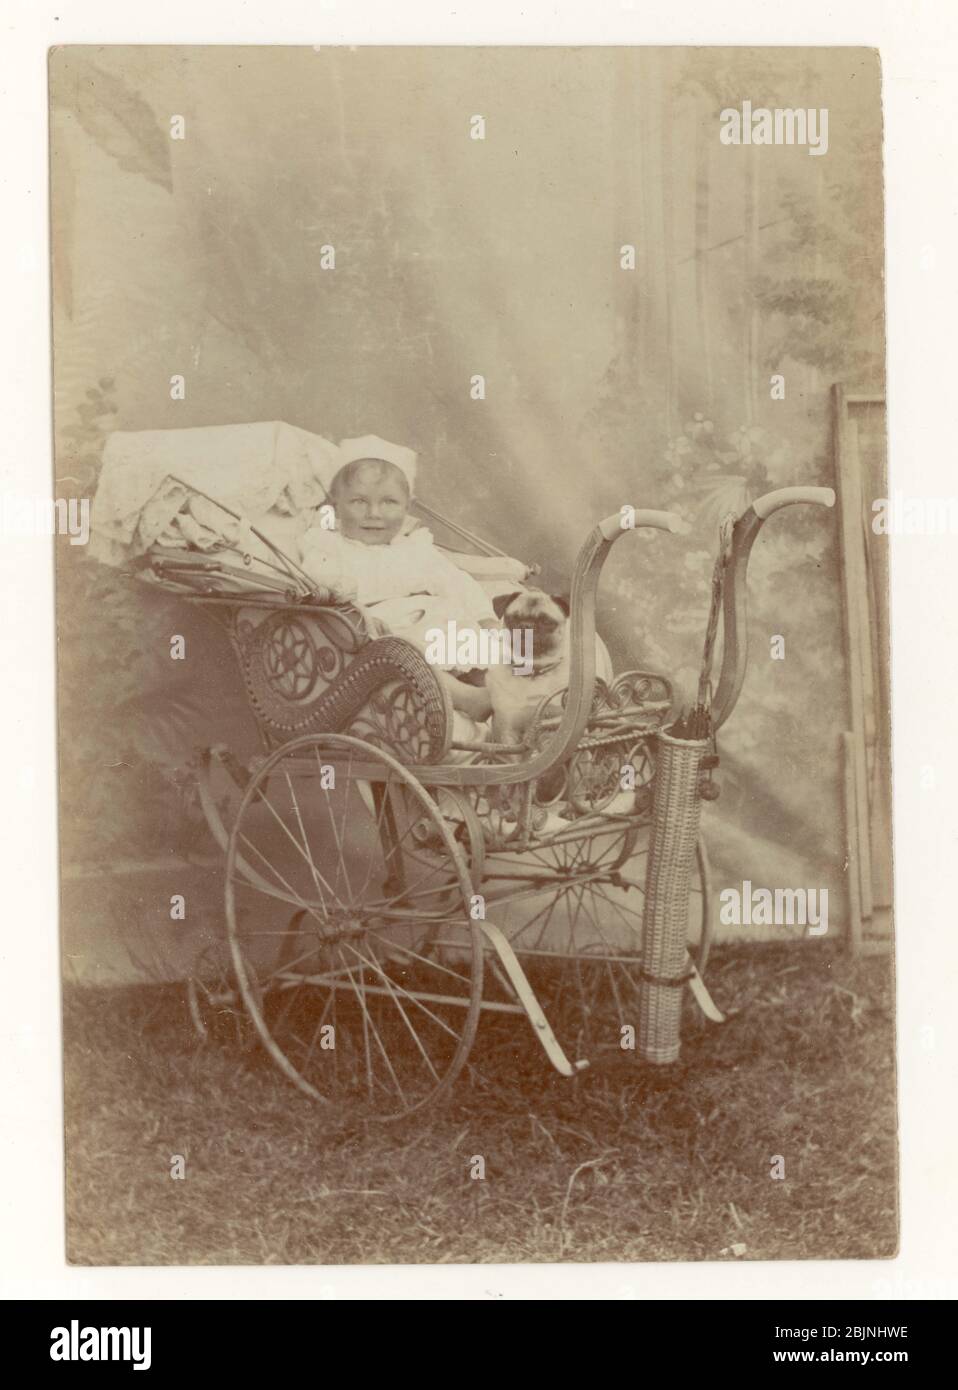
x,y
341,870
573,914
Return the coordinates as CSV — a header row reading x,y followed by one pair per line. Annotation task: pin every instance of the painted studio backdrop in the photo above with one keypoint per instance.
x,y
610,378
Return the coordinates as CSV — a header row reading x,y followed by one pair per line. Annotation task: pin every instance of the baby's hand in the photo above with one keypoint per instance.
x,y
375,626
517,570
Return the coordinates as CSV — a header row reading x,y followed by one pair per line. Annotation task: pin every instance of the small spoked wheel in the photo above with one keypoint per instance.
x,y
213,998
573,913
341,871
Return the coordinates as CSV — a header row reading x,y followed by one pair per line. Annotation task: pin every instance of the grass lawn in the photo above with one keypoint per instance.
x,y
610,1166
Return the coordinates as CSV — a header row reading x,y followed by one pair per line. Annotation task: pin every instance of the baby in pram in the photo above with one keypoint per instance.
x,y
397,574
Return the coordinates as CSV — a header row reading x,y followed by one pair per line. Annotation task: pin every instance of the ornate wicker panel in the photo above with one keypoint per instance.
x,y
311,670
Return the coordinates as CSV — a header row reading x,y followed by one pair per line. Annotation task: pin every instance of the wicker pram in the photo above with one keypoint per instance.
x,y
394,884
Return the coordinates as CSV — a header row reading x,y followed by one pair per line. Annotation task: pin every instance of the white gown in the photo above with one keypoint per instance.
x,y
408,584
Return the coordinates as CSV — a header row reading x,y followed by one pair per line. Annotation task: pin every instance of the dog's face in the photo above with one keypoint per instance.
x,y
536,617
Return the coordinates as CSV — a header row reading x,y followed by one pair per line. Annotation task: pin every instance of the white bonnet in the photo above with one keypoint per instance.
x,y
370,446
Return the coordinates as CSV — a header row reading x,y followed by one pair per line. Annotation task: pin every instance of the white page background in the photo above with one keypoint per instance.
x,y
917,39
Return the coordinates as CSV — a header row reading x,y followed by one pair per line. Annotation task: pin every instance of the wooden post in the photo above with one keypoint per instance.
x,y
751,325
852,836
703,130
856,619
668,239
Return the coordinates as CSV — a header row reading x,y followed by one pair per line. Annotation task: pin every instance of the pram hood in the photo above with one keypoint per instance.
x,y
254,469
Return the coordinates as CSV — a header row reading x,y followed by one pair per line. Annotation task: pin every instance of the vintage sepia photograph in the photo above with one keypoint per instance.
x,y
472,527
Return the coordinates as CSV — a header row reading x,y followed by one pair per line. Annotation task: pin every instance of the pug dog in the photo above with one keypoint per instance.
x,y
538,624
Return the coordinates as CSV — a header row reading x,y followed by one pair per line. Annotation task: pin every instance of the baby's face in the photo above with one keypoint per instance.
x,y
371,505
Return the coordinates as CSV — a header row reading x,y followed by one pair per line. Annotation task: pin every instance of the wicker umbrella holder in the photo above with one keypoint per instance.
x,y
676,812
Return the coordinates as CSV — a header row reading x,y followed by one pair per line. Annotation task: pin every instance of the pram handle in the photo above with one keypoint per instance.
x,y
784,496
735,598
585,581
634,518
